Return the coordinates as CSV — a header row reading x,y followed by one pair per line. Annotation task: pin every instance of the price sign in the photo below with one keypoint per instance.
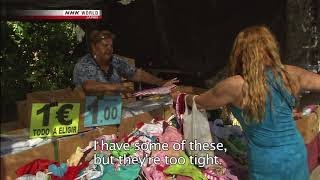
x,y
101,111
54,120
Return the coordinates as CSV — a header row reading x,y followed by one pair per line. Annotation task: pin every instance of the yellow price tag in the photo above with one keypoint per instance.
x,y
60,120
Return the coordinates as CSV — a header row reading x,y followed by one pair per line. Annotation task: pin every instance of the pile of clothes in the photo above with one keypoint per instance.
x,y
83,164
231,135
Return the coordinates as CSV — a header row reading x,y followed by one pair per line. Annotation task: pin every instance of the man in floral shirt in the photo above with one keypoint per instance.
x,y
102,71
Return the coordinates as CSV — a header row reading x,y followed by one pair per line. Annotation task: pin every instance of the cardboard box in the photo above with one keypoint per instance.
x,y
11,162
7,127
65,146
62,95
127,125
80,140
22,113
59,150
309,126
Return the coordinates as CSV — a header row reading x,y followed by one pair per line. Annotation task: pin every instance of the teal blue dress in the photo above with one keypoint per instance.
x,y
276,149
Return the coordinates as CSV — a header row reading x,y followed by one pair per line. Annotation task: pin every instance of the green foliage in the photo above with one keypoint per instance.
x,y
35,56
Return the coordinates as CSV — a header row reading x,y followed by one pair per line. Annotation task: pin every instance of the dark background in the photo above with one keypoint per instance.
x,y
193,37
190,40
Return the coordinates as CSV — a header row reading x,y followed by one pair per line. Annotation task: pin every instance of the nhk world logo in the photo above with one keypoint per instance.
x,y
84,14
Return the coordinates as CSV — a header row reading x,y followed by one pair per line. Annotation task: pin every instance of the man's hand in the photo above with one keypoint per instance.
x,y
125,89
171,82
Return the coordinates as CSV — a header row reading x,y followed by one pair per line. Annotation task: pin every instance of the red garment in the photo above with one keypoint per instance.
x,y
180,106
313,153
72,172
139,125
34,166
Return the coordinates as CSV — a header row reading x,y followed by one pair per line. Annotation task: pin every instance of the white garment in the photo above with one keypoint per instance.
x,y
14,144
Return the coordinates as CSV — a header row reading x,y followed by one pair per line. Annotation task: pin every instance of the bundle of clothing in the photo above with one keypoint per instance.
x,y
98,162
11,144
81,164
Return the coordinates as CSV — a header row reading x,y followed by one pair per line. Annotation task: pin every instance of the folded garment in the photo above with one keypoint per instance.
x,y
17,144
13,151
27,177
20,144
72,172
236,153
155,91
122,152
152,129
224,132
174,122
34,166
145,105
58,170
212,176
219,171
151,173
93,171
179,106
170,136
309,109
234,167
186,169
130,172
154,171
75,158
42,176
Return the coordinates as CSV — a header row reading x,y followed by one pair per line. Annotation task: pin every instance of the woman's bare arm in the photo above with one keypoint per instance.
x,y
225,92
308,81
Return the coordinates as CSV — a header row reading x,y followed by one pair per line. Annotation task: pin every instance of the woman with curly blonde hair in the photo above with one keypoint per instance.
x,y
261,93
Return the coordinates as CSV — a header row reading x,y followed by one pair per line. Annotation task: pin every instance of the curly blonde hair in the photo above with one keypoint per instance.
x,y
254,49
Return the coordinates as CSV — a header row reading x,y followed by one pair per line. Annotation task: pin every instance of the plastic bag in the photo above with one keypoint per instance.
x,y
196,127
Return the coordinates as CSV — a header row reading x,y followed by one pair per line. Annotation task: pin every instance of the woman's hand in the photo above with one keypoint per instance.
x,y
174,94
171,82
296,115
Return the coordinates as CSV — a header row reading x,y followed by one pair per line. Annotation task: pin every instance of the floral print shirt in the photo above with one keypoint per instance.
x,y
88,69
